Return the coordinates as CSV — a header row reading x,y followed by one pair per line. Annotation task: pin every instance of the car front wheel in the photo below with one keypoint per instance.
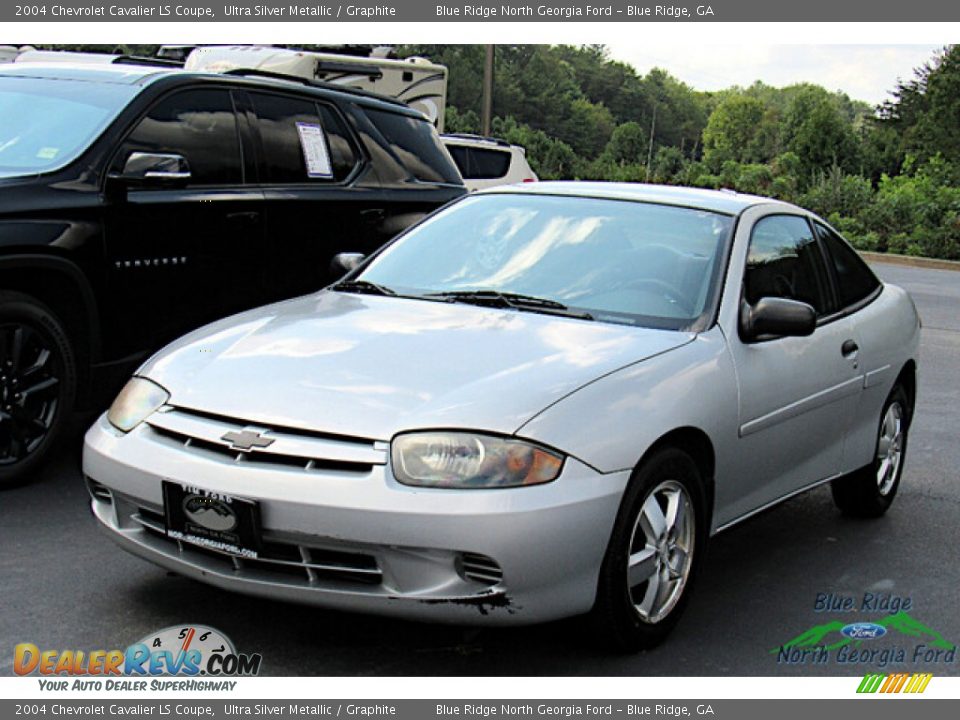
x,y
38,383
654,553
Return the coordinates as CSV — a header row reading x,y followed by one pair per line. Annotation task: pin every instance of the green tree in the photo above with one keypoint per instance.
x,y
731,131
817,132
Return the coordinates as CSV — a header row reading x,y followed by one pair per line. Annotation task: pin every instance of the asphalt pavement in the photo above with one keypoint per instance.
x,y
65,585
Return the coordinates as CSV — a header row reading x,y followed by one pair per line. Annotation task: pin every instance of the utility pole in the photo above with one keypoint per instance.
x,y
653,128
486,111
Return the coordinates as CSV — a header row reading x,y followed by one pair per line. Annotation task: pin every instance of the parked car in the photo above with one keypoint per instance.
x,y
541,401
8,53
487,162
138,202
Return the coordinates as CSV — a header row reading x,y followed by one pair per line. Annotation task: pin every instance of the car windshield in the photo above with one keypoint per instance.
x,y
606,260
44,123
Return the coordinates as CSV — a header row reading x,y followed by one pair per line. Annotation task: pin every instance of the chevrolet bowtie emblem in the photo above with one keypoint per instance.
x,y
247,440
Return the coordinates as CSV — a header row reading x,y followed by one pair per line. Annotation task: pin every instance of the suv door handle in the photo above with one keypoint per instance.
x,y
373,216
247,218
849,348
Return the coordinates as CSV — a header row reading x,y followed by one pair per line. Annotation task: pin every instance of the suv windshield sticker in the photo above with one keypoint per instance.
x,y
315,152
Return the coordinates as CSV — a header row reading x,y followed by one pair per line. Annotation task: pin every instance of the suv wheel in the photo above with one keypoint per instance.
x,y
655,552
38,382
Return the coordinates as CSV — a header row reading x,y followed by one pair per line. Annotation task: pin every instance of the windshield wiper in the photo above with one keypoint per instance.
x,y
363,287
516,301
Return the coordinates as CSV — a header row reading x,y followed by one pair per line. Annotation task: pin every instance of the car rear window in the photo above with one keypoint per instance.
x,y
480,163
417,145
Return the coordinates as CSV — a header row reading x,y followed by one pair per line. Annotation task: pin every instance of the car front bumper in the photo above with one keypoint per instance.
x,y
363,542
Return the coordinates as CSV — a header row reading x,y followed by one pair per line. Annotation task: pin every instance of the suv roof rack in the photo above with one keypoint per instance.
x,y
471,136
283,77
149,61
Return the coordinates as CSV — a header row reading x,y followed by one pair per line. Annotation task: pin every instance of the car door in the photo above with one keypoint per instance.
x,y
797,395
856,289
315,209
186,252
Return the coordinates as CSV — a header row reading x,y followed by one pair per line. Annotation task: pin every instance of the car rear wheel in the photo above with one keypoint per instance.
x,y
654,554
38,381
869,491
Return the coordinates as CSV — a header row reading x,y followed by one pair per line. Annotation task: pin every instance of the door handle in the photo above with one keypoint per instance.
x,y
373,216
849,348
247,218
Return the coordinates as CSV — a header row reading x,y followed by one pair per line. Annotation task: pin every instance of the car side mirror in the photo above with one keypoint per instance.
x,y
774,317
155,169
345,262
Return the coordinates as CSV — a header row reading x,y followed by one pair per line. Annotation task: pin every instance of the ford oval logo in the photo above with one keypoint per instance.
x,y
864,631
210,513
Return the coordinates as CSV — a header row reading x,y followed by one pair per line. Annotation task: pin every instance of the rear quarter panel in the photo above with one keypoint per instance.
x,y
888,332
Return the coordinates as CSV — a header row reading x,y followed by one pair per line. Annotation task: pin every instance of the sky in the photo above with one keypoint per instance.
x,y
864,72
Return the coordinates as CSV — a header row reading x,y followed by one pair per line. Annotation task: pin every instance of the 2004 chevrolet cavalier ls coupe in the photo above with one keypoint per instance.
x,y
539,402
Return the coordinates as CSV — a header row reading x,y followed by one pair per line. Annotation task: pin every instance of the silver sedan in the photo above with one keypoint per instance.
x,y
539,402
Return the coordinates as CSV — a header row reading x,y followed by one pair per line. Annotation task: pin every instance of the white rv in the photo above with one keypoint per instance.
x,y
415,81
60,56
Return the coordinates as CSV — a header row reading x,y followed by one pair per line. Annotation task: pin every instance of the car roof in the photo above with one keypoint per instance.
x,y
721,201
468,139
131,74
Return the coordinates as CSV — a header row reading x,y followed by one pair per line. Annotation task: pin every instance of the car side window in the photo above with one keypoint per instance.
x,y
785,261
293,128
200,125
855,281
417,146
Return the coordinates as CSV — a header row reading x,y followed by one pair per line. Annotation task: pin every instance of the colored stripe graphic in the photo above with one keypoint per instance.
x,y
894,683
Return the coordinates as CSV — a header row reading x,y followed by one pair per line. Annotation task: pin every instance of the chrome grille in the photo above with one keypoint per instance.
x,y
302,562
480,568
203,434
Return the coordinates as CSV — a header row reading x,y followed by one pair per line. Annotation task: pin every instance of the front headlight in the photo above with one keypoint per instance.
x,y
138,399
469,460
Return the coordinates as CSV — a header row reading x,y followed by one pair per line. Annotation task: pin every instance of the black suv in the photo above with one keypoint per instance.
x,y
139,202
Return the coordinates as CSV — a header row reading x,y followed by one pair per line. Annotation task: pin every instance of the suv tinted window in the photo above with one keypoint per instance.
x,y
855,281
785,261
201,125
480,163
280,122
417,145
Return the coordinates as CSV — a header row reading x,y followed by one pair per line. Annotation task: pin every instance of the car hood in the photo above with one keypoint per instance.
x,y
371,366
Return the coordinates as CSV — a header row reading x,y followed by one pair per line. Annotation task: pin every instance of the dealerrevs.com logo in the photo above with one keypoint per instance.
x,y
179,651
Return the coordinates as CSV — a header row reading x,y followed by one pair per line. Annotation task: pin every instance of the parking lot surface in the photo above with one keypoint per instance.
x,y
64,585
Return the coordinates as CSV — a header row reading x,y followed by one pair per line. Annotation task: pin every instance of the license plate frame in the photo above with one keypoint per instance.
x,y
213,520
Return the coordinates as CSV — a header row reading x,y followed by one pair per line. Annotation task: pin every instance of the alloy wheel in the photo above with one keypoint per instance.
x,y
661,551
889,448
29,391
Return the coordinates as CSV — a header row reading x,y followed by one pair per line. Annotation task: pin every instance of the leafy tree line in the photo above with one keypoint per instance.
x,y
886,176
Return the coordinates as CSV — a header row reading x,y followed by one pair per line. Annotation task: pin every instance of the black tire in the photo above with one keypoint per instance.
x,y
861,493
38,385
618,623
